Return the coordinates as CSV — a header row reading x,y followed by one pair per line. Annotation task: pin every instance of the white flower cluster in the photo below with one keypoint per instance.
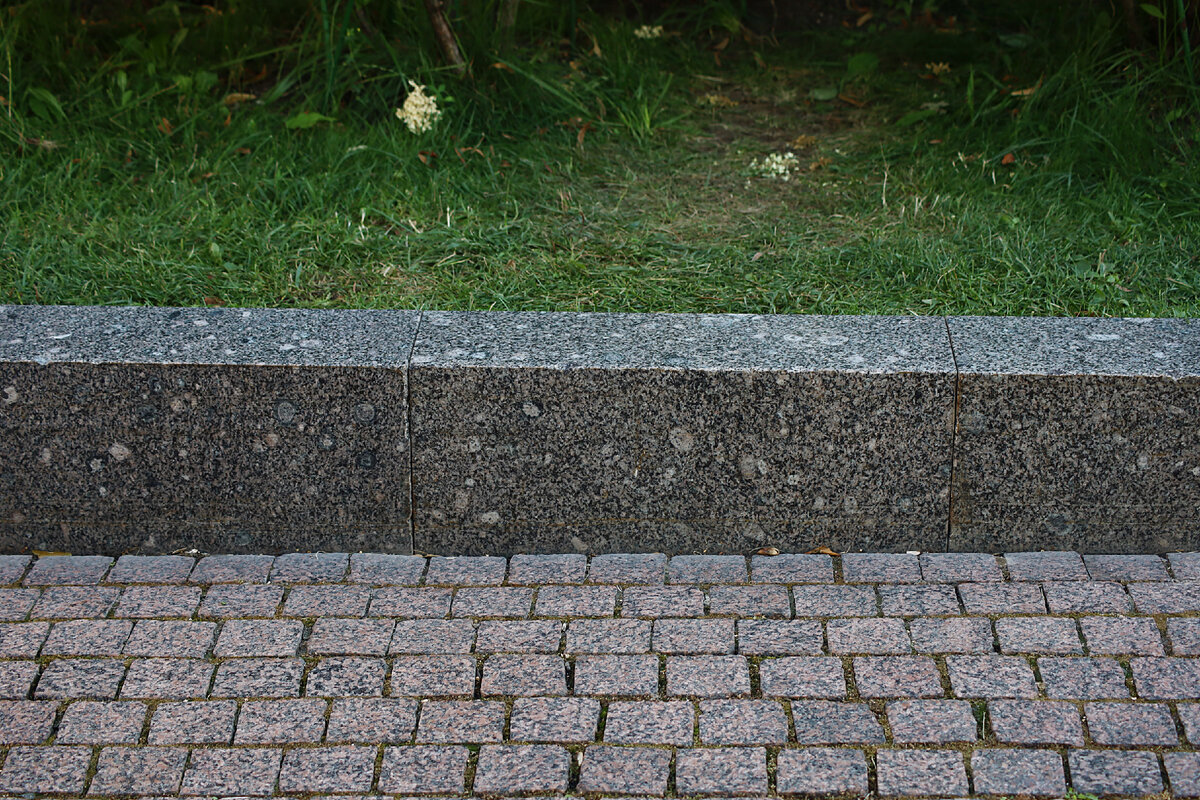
x,y
420,110
649,32
777,165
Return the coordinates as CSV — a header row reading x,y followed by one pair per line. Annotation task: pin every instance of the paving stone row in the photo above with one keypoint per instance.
x,y
936,675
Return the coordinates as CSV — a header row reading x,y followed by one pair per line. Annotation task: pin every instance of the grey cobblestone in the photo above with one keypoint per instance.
x,y
881,568
1126,568
650,722
662,601
1035,722
721,771
802,676
535,570
939,773
822,771
831,722
792,568
625,770
713,676
1046,566
770,637
621,676
1018,772
1083,678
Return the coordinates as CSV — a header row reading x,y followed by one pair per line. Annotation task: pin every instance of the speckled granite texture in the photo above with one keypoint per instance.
x,y
679,432
220,429
1077,434
234,430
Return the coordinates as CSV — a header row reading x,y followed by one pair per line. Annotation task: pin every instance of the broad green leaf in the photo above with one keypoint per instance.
x,y
861,64
306,119
823,93
913,117
1153,11
1017,41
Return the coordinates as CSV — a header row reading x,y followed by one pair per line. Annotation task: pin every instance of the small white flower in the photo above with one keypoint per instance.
x,y
777,166
649,32
420,110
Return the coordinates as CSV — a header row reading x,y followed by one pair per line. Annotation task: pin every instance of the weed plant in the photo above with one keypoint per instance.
x,y
249,155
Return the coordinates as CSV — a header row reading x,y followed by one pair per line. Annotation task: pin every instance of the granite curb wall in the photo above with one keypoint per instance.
x,y
239,430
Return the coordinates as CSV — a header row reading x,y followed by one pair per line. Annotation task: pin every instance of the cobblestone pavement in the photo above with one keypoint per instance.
x,y
313,674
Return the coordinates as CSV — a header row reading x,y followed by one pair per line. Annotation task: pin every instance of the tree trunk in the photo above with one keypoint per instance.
x,y
445,36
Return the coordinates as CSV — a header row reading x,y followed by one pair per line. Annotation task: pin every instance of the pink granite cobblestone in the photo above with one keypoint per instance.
x,y
624,675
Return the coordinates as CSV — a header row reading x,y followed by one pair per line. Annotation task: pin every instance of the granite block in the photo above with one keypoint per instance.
x,y
1115,772
45,770
834,601
1053,635
618,636
1084,678
712,676
970,635
327,601
328,769
959,568
138,771
423,770
16,603
257,637
522,769
576,601
730,442
202,722
867,636
1165,598
90,722
1018,772
173,678
524,675
259,677
780,637
433,636
16,679
625,770
742,722
384,569
707,569
822,771
232,568
1133,567
828,722
461,722
80,677
625,568
55,570
346,677
1122,636
22,639
1002,598
897,676
533,570
992,676
1035,722
372,720
931,721
1086,597
419,603
508,636
1046,566
1051,409
146,602
151,569
357,637
506,601
1131,724
802,676
621,676
670,722
763,600
919,601
66,602
118,433
227,772
881,568
26,721
692,636
921,772
1183,770
466,571
86,637
225,601
568,720
1185,566
12,567
310,567
662,601
728,771
791,568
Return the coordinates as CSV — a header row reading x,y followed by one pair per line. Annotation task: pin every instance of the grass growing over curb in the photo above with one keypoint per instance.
x,y
1040,174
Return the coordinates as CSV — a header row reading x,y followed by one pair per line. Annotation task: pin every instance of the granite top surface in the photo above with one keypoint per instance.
x,y
236,336
559,340
1076,346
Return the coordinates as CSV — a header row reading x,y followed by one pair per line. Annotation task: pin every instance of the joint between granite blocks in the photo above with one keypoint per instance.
x,y
408,429
953,435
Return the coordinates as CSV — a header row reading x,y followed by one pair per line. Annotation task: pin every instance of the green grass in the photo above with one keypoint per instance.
x,y
654,209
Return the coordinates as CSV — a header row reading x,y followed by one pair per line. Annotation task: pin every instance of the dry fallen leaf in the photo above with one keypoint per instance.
x,y
1009,158
44,553
802,141
824,551
767,551
233,98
